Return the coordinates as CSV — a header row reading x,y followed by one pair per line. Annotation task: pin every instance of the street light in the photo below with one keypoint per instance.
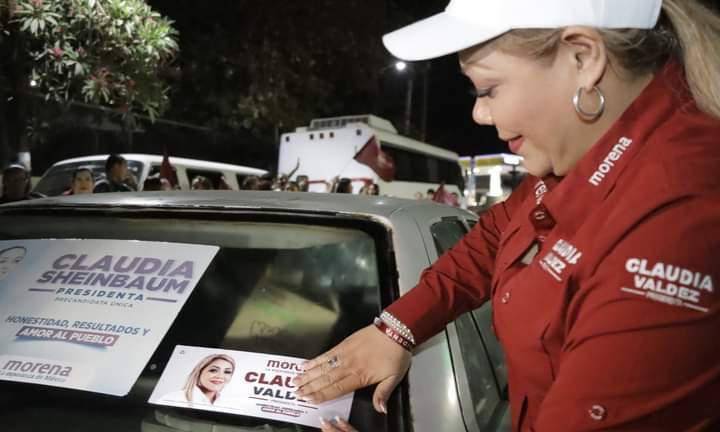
x,y
411,69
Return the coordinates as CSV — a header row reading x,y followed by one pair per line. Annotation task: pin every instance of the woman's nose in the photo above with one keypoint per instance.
x,y
481,113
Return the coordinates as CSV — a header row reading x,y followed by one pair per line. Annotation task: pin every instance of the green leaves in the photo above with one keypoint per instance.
x,y
108,52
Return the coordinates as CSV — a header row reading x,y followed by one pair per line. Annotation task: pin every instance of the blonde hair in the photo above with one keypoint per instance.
x,y
194,378
687,31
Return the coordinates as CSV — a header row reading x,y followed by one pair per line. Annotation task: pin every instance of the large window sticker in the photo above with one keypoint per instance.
x,y
88,314
241,383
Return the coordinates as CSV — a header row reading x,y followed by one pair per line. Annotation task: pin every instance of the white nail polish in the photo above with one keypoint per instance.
x,y
323,421
337,419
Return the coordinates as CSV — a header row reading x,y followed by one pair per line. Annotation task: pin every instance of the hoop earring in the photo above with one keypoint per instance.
x,y
589,115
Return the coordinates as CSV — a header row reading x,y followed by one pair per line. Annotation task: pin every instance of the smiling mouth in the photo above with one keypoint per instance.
x,y
516,143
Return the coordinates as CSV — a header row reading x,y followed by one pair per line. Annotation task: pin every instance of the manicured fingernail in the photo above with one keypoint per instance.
x,y
323,421
337,419
383,408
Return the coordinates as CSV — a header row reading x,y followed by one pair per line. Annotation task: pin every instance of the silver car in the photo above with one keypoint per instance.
x,y
294,275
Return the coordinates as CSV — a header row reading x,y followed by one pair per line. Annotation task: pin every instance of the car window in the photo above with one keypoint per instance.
x,y
478,374
471,223
446,233
293,289
215,177
483,317
57,179
484,369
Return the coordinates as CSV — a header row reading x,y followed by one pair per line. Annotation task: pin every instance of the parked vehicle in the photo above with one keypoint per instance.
x,y
326,148
294,275
57,178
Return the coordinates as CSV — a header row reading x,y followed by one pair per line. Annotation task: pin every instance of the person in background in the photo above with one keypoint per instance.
x,y
370,189
250,182
430,194
303,182
153,183
82,181
344,186
292,186
201,183
117,177
455,199
223,184
602,266
15,184
266,182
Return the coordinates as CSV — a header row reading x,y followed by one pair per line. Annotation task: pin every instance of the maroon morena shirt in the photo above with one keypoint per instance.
x,y
614,323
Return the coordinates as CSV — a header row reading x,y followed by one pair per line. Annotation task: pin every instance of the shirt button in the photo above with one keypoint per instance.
x,y
539,215
505,298
597,412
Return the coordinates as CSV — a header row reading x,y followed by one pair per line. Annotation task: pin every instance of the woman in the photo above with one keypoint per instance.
x,y
82,181
206,381
10,258
601,267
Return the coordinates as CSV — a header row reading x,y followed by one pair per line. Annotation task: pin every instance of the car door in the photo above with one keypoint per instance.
x,y
478,361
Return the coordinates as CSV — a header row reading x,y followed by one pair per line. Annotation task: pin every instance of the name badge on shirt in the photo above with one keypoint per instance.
x,y
562,256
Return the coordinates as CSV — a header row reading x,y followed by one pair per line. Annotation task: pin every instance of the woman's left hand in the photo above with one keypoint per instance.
x,y
336,425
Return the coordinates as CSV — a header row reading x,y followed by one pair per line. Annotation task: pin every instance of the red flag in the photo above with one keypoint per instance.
x,y
372,155
444,197
166,169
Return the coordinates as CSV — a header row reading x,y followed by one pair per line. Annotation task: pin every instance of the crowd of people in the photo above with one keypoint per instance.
x,y
16,183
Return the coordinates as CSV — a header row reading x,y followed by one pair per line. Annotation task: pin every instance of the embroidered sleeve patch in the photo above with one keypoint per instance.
x,y
667,283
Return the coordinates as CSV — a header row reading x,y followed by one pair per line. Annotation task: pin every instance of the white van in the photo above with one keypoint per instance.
x,y
56,179
326,148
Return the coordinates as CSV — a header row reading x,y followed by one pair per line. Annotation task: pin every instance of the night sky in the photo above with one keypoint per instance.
x,y
450,104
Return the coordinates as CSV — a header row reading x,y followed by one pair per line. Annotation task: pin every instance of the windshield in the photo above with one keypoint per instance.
x,y
59,177
293,289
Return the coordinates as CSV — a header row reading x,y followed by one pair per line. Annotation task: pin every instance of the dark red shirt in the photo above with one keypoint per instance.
x,y
614,324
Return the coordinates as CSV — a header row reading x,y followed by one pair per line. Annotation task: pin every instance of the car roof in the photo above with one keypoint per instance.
x,y
151,158
303,202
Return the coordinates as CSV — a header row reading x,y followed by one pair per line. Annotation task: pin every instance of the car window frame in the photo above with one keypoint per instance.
x,y
462,381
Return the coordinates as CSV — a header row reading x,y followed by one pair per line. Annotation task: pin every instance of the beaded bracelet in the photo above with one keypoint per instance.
x,y
392,334
397,325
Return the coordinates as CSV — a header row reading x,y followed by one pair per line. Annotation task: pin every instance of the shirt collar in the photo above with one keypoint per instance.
x,y
598,170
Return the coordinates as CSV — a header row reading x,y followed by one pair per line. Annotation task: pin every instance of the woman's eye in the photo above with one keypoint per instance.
x,y
481,93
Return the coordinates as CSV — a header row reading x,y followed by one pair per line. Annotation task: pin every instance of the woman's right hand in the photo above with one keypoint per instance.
x,y
366,357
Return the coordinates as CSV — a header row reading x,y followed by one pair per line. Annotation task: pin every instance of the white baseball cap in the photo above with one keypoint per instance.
x,y
469,22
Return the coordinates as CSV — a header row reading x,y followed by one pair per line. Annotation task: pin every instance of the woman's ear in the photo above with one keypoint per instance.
x,y
584,49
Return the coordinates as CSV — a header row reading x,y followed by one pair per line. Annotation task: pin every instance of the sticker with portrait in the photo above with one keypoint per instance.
x,y
241,383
